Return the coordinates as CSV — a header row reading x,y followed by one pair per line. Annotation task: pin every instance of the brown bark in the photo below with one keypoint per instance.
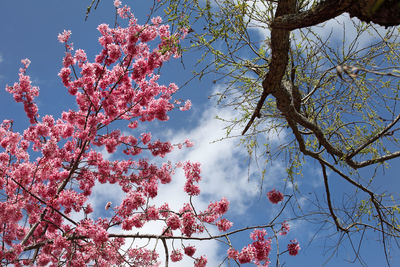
x,y
280,45
383,12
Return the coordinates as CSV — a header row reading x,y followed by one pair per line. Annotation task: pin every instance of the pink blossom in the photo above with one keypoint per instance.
x,y
184,31
246,255
80,56
133,125
256,252
114,53
64,75
189,224
140,256
24,92
187,106
190,250
124,12
233,253
164,210
258,234
176,255
146,137
159,148
68,60
152,213
200,262
156,20
164,31
188,143
192,173
26,62
284,228
224,225
174,222
222,206
88,209
275,196
293,247
64,36
117,3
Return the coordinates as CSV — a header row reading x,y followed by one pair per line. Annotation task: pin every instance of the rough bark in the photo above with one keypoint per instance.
x,y
383,12
280,44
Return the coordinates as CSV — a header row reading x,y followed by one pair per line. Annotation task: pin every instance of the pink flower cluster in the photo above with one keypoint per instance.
x,y
41,193
214,211
192,173
176,255
24,92
190,250
275,196
284,228
256,252
142,257
293,247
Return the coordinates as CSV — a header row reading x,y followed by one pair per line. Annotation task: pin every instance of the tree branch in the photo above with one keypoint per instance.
x,y
280,45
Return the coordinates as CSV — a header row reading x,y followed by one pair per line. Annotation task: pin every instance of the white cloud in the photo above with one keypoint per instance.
x,y
1,58
223,170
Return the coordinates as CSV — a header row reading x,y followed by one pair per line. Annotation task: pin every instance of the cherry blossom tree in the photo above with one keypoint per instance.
x,y
49,171
323,75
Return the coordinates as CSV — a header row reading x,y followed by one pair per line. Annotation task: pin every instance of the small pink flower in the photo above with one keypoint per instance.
x,y
176,255
174,222
247,254
284,228
64,36
114,52
200,262
188,143
190,250
146,137
88,209
275,196
293,247
187,106
117,3
224,225
233,253
156,20
258,234
26,62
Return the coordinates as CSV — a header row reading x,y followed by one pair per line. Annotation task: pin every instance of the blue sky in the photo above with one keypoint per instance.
x,y
29,29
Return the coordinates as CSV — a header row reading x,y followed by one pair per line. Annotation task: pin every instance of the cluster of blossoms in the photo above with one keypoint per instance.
x,y
275,196
177,255
24,92
284,228
293,247
42,194
119,85
258,251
